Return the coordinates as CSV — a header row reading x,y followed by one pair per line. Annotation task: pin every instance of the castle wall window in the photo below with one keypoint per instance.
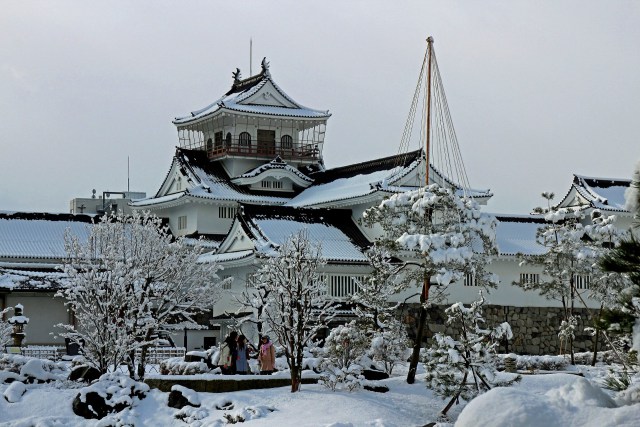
x,y
343,286
582,281
227,286
271,184
286,142
182,222
226,212
218,139
531,278
209,144
470,280
244,139
227,141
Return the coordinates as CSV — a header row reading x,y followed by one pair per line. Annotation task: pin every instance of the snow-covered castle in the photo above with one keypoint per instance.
x,y
248,173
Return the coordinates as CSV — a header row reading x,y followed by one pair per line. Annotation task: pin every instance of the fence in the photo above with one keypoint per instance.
x,y
38,351
155,355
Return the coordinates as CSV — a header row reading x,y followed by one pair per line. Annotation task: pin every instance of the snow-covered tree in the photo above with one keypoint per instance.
x,y
466,366
128,281
5,328
372,297
343,349
297,307
253,298
390,345
442,237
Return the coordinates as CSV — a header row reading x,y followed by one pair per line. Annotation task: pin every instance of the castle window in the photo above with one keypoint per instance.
x,y
226,212
227,141
470,279
582,281
227,285
182,222
244,139
286,142
530,278
209,144
218,137
343,286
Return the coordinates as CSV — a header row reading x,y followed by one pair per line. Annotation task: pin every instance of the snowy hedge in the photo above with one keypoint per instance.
x,y
177,366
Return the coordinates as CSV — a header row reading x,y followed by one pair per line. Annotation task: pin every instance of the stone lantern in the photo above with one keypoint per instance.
x,y
18,320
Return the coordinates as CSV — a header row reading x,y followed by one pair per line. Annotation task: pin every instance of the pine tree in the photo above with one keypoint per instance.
x,y
442,237
466,366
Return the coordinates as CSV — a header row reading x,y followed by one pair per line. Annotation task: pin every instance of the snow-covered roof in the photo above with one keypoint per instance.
x,y
366,178
238,99
517,234
334,229
277,164
39,235
598,193
30,280
210,181
357,180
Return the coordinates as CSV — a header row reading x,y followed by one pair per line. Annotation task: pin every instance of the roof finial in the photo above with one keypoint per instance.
x,y
265,67
236,75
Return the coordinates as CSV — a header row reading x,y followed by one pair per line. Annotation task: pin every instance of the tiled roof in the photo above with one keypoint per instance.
x,y
517,234
241,91
39,235
30,280
334,229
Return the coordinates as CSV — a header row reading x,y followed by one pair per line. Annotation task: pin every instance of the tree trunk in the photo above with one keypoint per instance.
x,y
595,343
295,379
415,356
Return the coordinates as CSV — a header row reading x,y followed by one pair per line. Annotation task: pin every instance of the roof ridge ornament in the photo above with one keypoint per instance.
x,y
237,76
265,67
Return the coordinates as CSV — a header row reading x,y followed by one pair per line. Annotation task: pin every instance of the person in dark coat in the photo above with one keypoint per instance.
x,y
228,354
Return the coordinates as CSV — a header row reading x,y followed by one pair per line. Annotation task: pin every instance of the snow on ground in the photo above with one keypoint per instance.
x,y
548,400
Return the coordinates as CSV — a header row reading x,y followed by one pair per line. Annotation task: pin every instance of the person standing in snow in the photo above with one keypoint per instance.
x,y
242,359
267,356
228,352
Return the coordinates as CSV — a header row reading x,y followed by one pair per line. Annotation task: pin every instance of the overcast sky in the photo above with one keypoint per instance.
x,y
537,90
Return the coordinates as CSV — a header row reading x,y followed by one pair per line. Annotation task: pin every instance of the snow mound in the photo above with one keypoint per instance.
x,y
14,392
569,401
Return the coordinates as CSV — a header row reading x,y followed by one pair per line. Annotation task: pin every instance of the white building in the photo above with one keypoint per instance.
x,y
249,172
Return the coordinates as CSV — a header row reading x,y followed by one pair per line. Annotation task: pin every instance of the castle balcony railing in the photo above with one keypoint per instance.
x,y
266,150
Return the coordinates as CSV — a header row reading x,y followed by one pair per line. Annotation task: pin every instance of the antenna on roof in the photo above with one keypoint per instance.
x,y
250,56
128,174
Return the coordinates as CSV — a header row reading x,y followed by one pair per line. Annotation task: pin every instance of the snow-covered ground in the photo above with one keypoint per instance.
x,y
538,400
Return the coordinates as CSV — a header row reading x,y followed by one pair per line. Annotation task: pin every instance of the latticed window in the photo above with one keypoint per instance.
x,y
286,142
227,285
218,140
226,212
470,279
182,222
244,139
582,281
532,278
343,286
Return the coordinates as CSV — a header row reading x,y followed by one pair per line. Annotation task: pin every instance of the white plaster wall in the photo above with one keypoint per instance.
x,y
43,311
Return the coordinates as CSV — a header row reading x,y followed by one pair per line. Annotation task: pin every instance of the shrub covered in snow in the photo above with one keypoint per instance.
x,y
177,366
32,369
390,346
113,392
14,392
535,363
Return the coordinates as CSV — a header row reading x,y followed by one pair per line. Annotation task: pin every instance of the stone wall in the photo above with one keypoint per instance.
x,y
535,329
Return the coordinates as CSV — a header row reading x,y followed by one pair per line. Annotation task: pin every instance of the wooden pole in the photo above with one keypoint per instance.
x,y
424,295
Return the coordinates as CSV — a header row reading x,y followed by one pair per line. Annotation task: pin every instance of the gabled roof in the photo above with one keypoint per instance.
x,y
278,167
210,181
39,235
269,226
238,99
357,180
598,193
517,234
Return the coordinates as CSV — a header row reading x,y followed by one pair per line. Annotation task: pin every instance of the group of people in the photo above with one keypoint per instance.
x,y
236,351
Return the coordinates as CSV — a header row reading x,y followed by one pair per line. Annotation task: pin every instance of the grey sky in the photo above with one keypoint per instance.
x,y
537,90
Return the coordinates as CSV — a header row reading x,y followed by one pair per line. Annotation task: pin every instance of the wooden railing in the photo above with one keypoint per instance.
x,y
264,150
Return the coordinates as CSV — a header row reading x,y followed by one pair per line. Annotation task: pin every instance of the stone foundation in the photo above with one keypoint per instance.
x,y
535,329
